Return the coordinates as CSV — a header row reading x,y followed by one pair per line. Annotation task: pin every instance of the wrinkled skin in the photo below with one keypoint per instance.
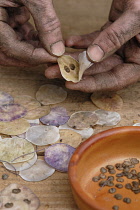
x,y
19,43
115,49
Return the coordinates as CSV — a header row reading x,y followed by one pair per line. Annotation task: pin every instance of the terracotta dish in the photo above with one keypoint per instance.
x,y
106,148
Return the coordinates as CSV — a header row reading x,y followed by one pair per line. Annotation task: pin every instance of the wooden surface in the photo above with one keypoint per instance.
x,y
77,17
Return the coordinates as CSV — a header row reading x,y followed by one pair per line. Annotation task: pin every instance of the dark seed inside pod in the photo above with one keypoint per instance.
x,y
27,201
127,200
120,179
8,205
110,167
110,178
120,175
128,186
103,183
103,170
16,191
134,177
5,176
112,190
96,179
110,184
72,66
135,184
134,160
102,176
126,169
127,163
129,176
134,172
120,186
112,171
66,68
115,207
118,196
138,174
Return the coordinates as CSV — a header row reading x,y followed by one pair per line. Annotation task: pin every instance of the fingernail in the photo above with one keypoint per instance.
x,y
58,48
95,53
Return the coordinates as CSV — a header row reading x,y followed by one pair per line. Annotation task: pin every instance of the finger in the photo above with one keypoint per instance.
x,y
53,72
104,66
48,26
82,41
113,37
7,61
120,77
8,3
21,50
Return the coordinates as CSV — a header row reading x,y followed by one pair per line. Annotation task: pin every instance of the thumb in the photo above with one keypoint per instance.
x,y
48,26
114,36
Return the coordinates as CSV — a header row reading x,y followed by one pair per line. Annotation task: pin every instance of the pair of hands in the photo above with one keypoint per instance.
x,y
115,49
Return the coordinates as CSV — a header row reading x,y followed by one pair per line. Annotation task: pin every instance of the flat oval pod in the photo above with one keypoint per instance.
x,y
51,94
107,101
107,118
69,68
82,120
85,133
10,112
70,137
23,165
57,116
5,98
38,172
15,127
27,101
58,156
42,135
12,148
16,196
37,113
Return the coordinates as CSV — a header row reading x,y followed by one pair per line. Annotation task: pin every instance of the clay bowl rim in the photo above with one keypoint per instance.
x,y
80,151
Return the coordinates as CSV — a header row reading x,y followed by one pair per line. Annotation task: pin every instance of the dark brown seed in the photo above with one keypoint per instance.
x,y
102,176
127,163
125,173
134,177
110,184
115,207
72,66
110,167
112,171
103,183
137,191
27,201
103,170
138,174
134,172
120,175
117,165
120,179
127,200
126,169
16,191
135,188
5,176
134,161
8,205
112,190
118,196
119,186
135,184
110,178
66,68
132,166
96,179
128,186
129,176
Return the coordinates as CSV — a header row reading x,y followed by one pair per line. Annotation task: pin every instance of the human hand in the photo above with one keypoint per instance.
x,y
112,72
15,50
